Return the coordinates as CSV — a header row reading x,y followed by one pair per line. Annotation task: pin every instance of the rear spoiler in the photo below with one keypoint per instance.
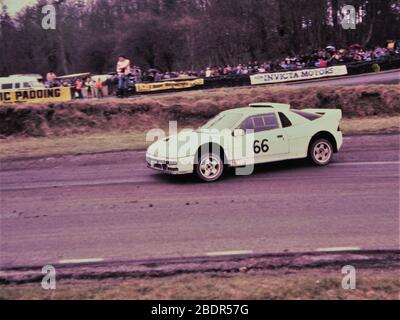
x,y
331,113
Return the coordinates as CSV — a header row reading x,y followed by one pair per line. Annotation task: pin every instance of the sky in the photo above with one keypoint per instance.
x,y
16,5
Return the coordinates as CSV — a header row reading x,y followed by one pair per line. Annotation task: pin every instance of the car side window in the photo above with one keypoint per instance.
x,y
7,86
270,122
260,123
286,123
27,85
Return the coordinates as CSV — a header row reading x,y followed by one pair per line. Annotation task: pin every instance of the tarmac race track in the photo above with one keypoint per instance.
x,y
110,207
385,77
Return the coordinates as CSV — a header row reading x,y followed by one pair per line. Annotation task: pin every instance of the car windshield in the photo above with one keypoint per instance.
x,y
221,122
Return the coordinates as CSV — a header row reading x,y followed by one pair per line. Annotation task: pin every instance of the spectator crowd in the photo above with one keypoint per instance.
x,y
323,58
126,74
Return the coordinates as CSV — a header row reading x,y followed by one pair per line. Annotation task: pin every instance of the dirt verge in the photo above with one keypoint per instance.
x,y
188,108
279,276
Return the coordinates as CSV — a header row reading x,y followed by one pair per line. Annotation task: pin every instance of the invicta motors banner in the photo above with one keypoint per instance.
x,y
306,74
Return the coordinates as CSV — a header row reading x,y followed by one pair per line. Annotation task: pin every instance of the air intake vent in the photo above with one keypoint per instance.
x,y
261,106
272,105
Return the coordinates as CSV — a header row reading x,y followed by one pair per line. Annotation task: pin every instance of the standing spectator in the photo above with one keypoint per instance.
x,y
391,45
78,88
158,76
167,76
239,70
88,87
99,88
50,78
323,63
335,60
123,71
137,74
208,72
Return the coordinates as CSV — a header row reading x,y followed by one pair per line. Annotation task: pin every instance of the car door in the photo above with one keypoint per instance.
x,y
270,141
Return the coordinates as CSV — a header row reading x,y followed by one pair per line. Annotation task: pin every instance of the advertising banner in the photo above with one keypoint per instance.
x,y
297,75
36,95
168,85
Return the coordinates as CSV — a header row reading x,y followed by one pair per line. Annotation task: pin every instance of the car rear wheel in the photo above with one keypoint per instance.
x,y
210,167
321,152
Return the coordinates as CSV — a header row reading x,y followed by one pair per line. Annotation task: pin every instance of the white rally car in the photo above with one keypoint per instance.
x,y
241,138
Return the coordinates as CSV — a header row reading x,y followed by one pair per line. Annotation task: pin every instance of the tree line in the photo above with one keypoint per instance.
x,y
183,34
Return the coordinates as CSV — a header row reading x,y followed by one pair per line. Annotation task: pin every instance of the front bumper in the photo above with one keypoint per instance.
x,y
174,167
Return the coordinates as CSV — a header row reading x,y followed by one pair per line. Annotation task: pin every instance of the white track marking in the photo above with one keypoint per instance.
x,y
338,249
229,253
81,261
378,163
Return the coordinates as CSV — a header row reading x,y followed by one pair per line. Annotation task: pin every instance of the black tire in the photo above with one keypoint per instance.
x,y
209,167
321,152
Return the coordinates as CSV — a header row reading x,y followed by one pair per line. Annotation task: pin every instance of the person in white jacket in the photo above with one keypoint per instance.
x,y
123,71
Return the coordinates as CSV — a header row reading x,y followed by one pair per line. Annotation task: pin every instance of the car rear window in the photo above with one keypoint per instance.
x,y
308,115
286,123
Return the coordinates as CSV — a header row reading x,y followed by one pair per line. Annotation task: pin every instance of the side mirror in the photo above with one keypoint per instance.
x,y
239,133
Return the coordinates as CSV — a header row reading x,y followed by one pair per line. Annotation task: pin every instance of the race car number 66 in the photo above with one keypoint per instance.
x,y
222,309
261,146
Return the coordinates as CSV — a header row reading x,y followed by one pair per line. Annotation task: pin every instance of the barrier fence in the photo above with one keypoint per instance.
x,y
352,69
65,93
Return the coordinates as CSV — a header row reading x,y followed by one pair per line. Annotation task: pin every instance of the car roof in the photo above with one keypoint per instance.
x,y
15,79
33,75
259,108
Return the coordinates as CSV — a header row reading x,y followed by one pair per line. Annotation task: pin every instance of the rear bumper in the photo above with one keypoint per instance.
x,y
339,140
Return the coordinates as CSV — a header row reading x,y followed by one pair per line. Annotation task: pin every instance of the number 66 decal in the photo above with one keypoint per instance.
x,y
261,146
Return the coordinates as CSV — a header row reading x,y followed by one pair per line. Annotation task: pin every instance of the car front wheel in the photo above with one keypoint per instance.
x,y
321,152
210,167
